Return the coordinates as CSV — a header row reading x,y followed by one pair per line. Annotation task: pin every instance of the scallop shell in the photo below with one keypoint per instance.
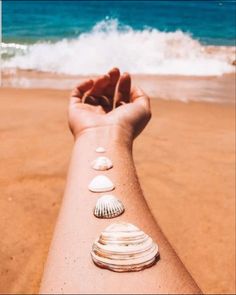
x,y
123,247
101,183
102,163
108,206
100,149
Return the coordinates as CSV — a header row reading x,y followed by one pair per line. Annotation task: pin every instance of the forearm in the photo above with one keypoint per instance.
x,y
70,268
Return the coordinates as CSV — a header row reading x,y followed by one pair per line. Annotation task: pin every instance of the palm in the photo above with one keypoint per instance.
x,y
107,103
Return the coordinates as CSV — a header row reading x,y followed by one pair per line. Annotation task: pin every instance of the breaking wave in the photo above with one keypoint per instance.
x,y
109,44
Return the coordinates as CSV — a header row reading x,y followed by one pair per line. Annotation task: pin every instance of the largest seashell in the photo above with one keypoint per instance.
x,y
108,206
123,247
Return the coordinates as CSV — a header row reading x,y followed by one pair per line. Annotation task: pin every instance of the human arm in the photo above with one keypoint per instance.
x,y
69,267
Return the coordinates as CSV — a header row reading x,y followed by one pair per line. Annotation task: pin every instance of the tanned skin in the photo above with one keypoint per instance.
x,y
107,112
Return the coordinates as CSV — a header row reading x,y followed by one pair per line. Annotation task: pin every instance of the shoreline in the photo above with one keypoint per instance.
x,y
215,89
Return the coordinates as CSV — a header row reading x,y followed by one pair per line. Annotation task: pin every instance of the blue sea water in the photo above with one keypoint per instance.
x,y
211,22
151,37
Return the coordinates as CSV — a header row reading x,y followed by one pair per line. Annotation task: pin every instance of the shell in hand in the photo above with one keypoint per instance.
x,y
123,247
108,206
102,163
101,183
100,149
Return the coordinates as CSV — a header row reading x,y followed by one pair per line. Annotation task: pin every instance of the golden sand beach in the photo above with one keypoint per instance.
x,y
185,159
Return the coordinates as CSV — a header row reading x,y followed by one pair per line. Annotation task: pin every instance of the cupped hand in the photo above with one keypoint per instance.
x,y
109,101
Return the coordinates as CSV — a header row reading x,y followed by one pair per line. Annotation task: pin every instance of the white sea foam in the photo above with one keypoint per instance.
x,y
108,44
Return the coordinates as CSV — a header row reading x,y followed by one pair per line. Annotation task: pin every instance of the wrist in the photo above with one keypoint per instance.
x,y
106,136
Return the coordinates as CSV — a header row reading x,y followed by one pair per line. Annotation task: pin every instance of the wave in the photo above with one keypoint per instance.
x,y
110,44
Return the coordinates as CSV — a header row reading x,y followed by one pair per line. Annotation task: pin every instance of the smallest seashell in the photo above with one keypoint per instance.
x,y
102,163
108,206
100,149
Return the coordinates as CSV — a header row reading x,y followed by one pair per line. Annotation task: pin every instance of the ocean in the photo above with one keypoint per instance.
x,y
142,37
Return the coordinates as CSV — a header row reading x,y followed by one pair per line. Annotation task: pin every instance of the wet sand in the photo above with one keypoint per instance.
x,y
219,89
185,159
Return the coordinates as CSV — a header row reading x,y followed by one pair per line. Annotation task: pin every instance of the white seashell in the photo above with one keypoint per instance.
x,y
102,163
100,149
101,183
123,247
108,206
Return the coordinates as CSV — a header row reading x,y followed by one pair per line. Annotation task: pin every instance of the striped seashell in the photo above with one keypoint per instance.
x,y
108,206
123,247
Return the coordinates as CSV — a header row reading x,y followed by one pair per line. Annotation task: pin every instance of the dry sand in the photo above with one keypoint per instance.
x,y
185,159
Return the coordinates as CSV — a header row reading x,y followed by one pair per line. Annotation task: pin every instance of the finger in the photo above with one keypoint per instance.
x,y
77,92
104,101
110,90
98,87
122,93
91,100
101,101
75,96
114,75
83,87
139,96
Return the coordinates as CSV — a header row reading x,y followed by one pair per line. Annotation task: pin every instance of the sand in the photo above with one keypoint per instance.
x,y
185,159
219,89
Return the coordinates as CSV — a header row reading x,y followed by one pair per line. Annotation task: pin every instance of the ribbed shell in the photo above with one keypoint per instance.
x,y
123,247
108,206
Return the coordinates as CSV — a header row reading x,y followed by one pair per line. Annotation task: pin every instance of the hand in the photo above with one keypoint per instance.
x,y
109,101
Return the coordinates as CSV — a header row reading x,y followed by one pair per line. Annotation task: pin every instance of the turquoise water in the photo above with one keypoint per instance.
x,y
142,37
211,22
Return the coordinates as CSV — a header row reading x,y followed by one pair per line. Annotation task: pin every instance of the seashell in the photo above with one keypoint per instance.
x,y
100,149
101,183
123,247
108,206
102,163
